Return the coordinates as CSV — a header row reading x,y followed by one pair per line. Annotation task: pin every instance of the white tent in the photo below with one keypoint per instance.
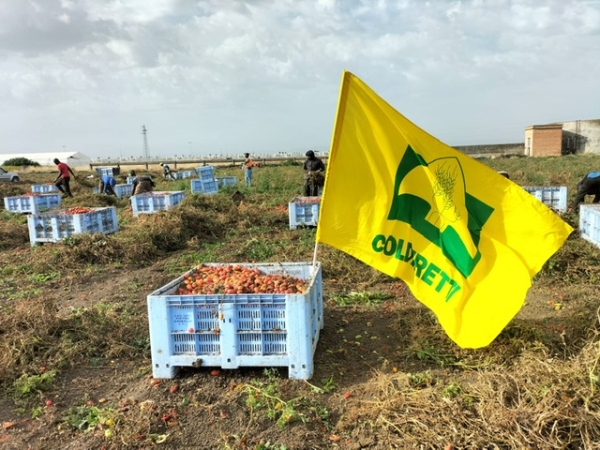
x,y
74,159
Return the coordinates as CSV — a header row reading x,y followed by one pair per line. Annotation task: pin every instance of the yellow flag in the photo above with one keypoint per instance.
x,y
466,240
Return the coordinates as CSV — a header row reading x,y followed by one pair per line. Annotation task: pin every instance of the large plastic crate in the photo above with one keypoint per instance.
x,y
183,174
304,212
54,226
589,223
242,330
206,173
554,197
123,190
31,203
151,202
199,186
129,180
44,188
110,171
226,181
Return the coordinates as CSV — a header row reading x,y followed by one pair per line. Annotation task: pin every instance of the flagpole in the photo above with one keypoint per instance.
x,y
314,263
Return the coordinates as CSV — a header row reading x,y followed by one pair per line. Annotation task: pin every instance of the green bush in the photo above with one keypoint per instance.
x,y
15,162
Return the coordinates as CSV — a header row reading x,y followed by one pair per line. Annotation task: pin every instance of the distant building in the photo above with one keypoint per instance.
x,y
563,138
543,140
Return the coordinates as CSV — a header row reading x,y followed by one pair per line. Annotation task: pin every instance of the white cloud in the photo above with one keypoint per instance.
x,y
452,67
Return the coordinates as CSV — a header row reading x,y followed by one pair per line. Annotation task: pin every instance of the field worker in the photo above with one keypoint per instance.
x,y
167,173
247,166
63,179
142,184
504,173
589,185
106,185
314,174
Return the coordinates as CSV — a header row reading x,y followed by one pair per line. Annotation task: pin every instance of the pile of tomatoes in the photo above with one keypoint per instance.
x,y
76,210
236,279
31,194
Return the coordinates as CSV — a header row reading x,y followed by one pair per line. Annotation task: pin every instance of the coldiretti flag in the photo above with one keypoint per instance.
x,y
466,240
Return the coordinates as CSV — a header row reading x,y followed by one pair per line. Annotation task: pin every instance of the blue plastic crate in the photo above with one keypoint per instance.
x,y
206,173
226,181
123,190
129,180
44,188
199,186
304,212
183,174
151,202
243,330
31,203
111,171
554,197
55,225
589,223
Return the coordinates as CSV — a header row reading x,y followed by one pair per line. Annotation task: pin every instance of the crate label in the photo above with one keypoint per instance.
x,y
182,321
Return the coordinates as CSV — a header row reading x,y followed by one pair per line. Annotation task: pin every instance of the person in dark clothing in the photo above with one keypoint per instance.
x,y
63,179
167,172
142,184
314,174
589,185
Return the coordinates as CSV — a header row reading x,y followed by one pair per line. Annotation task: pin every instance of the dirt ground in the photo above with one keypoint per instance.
x,y
388,345
208,411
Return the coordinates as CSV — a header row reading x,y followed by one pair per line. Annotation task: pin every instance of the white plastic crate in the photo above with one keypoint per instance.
x,y
241,330
55,226
31,203
206,173
304,212
199,186
43,188
151,202
226,181
554,197
589,223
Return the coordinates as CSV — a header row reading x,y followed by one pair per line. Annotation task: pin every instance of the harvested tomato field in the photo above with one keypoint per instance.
x,y
75,355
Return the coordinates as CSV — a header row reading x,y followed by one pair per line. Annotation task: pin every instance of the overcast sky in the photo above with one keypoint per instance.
x,y
227,76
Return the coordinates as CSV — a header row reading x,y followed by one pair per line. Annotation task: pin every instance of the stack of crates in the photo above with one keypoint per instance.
x,y
151,202
238,330
304,212
57,225
33,203
206,182
555,197
43,188
589,223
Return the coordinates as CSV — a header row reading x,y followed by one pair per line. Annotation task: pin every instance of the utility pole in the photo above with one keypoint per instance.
x,y
146,149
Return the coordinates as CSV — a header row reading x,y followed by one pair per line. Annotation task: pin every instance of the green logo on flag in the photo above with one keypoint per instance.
x,y
419,213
